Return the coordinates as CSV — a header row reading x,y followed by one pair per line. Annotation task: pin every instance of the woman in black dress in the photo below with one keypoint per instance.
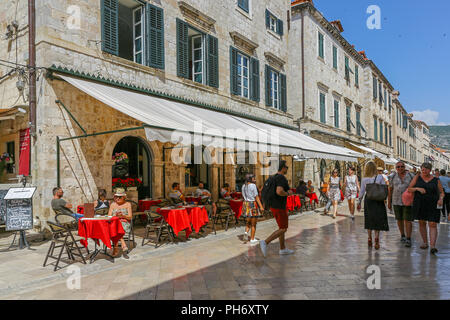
x,y
429,194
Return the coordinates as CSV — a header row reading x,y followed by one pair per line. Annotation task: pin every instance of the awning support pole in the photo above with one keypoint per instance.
x,y
71,115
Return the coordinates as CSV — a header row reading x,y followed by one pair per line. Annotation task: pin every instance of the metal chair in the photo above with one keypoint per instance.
x,y
102,212
157,224
224,213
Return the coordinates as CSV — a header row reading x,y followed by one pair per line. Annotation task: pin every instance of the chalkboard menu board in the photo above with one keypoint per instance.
x,y
19,214
2,206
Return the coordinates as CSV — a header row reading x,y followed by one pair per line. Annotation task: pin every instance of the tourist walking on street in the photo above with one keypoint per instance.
x,y
334,191
398,184
351,187
278,208
252,208
445,181
429,194
375,215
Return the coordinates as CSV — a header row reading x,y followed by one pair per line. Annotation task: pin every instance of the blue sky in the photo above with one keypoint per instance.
x,y
412,48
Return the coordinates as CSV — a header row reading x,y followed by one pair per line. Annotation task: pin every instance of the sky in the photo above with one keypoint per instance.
x,y
412,48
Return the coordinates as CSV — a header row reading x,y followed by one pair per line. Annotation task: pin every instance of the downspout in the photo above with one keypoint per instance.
x,y
32,69
303,65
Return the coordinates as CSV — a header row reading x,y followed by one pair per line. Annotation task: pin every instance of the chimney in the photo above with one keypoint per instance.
x,y
301,1
363,53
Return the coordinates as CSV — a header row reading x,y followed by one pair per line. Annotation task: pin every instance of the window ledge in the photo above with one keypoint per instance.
x,y
321,59
276,35
244,100
244,13
132,64
279,112
199,86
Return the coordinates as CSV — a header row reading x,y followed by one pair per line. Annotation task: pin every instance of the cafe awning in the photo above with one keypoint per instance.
x,y
369,152
180,123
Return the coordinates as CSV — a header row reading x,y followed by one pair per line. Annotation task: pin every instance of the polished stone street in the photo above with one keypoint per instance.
x,y
330,262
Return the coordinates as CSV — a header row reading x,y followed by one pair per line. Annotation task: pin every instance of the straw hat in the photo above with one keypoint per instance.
x,y
120,192
380,169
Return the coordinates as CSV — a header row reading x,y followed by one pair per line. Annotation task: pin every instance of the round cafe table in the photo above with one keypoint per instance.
x,y
178,219
193,199
236,195
236,206
198,216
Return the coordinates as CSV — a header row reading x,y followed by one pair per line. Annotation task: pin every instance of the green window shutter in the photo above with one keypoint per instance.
x,y
381,131
335,62
356,75
254,81
375,88
380,92
283,93
358,123
280,27
321,45
110,26
234,72
349,125
267,76
336,114
243,4
375,129
267,19
385,134
155,36
385,98
182,49
213,62
322,108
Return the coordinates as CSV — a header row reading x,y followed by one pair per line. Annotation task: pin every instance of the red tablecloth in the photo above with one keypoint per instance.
x,y
105,230
312,197
236,206
178,219
147,204
293,202
198,217
194,199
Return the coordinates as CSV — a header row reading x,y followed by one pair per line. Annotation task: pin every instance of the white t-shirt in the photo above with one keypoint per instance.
x,y
249,192
199,193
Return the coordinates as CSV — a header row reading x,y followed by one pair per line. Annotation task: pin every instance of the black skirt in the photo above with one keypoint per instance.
x,y
375,215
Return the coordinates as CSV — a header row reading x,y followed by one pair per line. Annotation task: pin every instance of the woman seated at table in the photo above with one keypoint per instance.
x,y
121,209
225,192
101,202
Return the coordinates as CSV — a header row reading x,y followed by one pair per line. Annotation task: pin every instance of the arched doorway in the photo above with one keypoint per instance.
x,y
138,165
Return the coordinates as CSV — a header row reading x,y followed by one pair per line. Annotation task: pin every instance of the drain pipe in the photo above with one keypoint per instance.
x,y
303,64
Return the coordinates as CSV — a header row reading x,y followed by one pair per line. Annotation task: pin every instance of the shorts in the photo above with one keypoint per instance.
x,y
281,217
403,213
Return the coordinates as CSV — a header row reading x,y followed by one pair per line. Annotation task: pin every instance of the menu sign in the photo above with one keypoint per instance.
x,y
19,214
3,206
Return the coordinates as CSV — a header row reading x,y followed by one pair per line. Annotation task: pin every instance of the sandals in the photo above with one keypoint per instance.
x,y
369,243
377,244
424,246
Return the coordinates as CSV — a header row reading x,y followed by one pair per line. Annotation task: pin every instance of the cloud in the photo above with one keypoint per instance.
x,y
430,117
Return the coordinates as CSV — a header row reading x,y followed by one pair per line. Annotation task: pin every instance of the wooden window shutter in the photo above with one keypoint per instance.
x,y
267,76
233,72
243,4
336,114
213,62
182,49
335,62
267,19
280,30
321,45
322,108
283,93
155,36
356,75
375,88
110,26
254,81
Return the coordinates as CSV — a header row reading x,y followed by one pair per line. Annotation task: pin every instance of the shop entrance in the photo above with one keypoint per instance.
x,y
133,162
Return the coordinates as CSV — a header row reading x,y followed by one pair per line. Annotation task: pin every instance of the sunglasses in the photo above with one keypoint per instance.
x,y
400,167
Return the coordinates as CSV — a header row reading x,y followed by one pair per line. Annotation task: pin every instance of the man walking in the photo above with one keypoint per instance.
x,y
445,181
278,208
398,184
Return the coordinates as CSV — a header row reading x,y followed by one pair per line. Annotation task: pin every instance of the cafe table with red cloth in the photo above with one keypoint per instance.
x,y
178,219
236,206
312,197
293,202
236,195
198,216
145,205
105,229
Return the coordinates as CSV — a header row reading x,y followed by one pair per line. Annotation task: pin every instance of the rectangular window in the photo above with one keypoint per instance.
x,y
347,69
244,5
336,114
322,104
375,129
321,51
381,131
380,93
375,88
197,58
138,35
358,123
390,136
274,89
335,57
10,149
356,75
385,98
243,75
273,23
349,119
385,134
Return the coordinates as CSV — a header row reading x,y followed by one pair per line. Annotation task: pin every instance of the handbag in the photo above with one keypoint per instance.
x,y
407,198
376,191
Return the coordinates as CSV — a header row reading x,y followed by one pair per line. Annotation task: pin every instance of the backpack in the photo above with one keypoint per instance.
x,y
268,191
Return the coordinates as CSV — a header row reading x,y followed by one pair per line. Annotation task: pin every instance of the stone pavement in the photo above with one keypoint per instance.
x,y
330,262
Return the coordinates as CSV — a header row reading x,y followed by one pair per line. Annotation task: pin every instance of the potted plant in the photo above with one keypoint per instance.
x,y
5,159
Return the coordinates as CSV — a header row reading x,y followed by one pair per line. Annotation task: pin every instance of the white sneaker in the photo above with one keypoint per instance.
x,y
254,242
263,246
246,237
286,251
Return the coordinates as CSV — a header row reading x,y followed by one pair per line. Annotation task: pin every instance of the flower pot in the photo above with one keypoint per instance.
x,y
132,189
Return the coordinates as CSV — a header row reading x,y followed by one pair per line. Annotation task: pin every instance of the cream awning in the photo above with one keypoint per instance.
x,y
165,118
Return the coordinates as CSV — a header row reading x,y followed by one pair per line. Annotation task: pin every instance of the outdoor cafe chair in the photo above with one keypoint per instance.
x,y
323,199
61,241
223,214
157,224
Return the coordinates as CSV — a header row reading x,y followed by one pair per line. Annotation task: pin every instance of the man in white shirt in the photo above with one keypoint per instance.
x,y
206,198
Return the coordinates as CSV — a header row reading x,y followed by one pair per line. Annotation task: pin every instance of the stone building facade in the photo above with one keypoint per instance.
x,y
72,38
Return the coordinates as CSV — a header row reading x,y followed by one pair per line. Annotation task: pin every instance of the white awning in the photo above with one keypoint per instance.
x,y
370,152
179,123
390,161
